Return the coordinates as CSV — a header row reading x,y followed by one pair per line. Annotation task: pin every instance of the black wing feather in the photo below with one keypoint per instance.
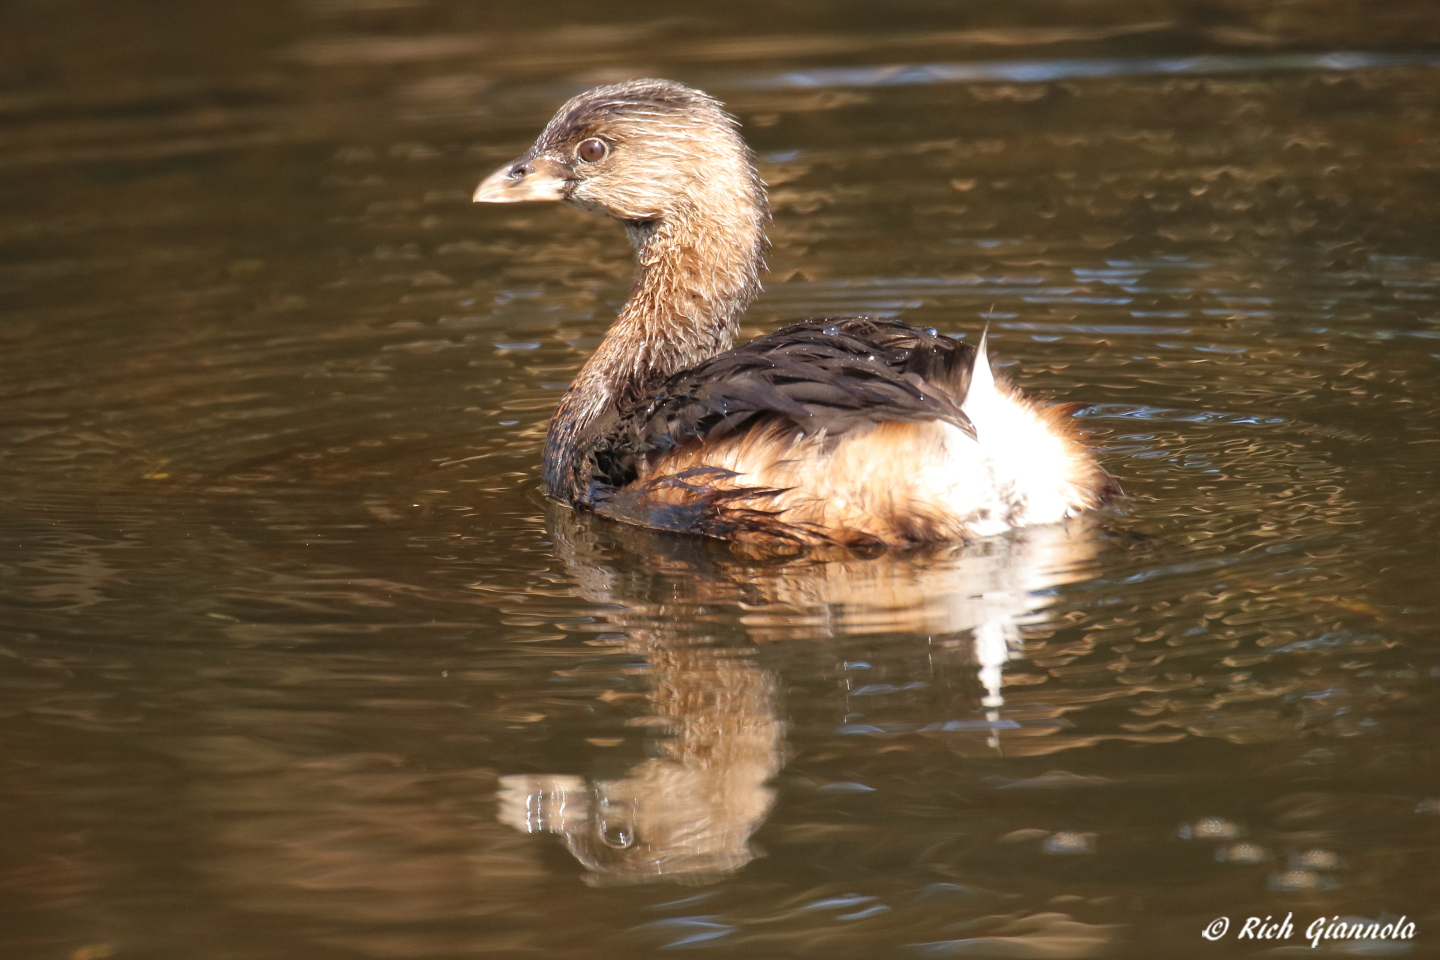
x,y
828,375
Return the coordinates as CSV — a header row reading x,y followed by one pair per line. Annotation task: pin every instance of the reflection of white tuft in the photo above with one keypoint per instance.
x,y
687,813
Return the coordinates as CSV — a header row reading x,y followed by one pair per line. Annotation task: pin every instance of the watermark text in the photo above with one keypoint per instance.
x,y
1317,931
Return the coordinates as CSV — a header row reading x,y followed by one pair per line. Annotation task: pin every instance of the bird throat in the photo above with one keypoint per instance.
x,y
697,271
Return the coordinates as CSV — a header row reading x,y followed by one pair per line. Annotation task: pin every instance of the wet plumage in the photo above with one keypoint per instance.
x,y
832,431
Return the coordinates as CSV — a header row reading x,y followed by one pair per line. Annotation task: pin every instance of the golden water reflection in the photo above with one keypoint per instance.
x,y
687,812
281,606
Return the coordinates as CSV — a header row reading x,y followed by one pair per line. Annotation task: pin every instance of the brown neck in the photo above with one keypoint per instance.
x,y
698,271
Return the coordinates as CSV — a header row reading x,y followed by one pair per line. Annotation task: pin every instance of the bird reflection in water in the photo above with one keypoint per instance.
x,y
687,813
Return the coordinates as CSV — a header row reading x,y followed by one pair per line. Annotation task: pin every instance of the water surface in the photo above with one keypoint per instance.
x,y
298,662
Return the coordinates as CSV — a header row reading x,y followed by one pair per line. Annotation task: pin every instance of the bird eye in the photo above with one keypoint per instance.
x,y
592,150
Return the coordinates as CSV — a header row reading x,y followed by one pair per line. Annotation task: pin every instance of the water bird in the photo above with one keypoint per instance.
x,y
841,432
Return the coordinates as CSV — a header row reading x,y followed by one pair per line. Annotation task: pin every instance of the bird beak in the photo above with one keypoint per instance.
x,y
539,178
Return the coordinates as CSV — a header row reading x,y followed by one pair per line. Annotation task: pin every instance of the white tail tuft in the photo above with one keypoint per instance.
x,y
982,378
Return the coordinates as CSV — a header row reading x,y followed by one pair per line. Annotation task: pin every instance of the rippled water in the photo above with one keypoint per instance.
x,y
297,661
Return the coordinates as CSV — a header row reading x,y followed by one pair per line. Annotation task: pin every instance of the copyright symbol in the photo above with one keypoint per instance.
x,y
1216,928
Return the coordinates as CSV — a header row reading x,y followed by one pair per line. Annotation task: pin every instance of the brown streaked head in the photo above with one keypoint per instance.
x,y
637,151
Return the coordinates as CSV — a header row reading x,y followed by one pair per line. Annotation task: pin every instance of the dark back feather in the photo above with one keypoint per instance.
x,y
827,376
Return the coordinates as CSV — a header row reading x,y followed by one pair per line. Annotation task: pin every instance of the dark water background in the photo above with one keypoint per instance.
x,y
292,651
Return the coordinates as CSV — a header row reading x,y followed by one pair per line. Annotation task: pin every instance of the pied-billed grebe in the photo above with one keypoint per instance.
x,y
851,432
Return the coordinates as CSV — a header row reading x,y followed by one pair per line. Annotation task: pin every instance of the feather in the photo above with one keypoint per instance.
x,y
851,431
822,377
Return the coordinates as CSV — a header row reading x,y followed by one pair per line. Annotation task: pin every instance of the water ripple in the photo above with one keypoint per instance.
x,y
1047,71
